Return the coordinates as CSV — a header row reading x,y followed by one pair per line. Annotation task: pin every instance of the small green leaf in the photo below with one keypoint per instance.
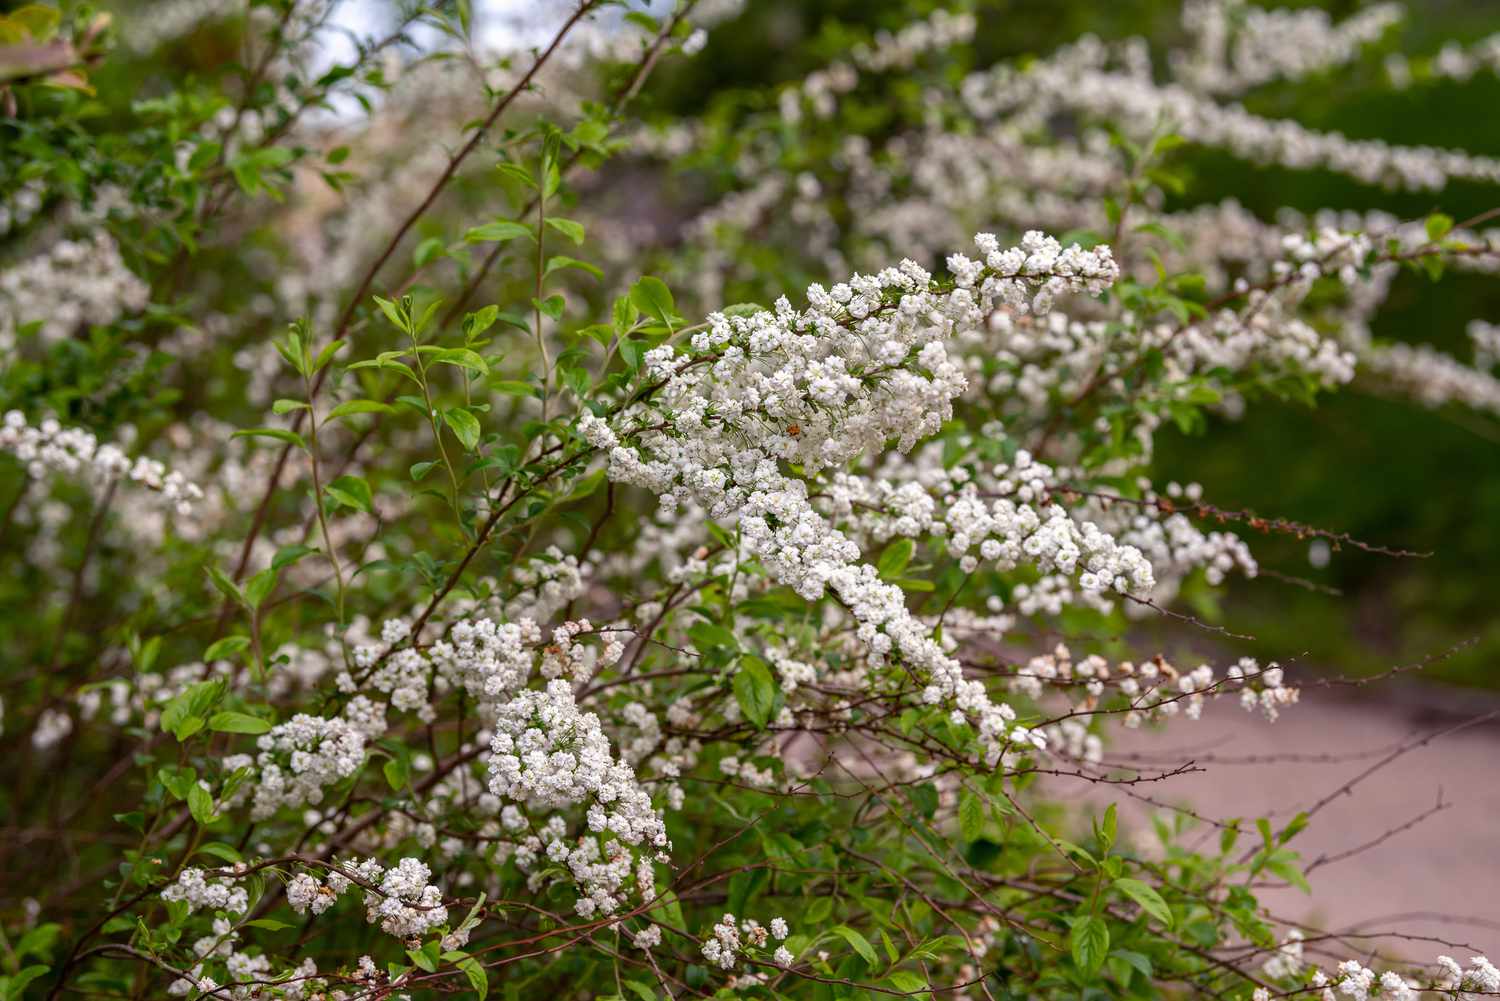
x,y
567,227
895,557
1089,942
397,772
351,407
1150,901
652,297
755,691
465,358
970,816
233,722
906,981
498,232
516,172
464,425
477,978
1438,226
200,804
351,491
428,251
858,942
510,387
280,434
559,262
287,406
226,647
220,850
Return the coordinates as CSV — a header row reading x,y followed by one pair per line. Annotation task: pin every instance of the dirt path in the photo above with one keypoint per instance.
x,y
1439,878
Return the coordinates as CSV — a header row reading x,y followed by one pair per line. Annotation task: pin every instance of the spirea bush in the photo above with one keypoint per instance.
x,y
471,529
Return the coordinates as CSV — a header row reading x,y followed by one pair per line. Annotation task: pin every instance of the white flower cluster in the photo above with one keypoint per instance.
x,y
406,905
821,89
1155,688
723,948
547,754
1481,977
49,446
200,891
298,759
728,940
1238,46
1076,79
73,283
18,207
864,364
1433,378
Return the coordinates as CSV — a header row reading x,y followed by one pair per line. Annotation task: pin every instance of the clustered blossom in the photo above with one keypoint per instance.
x,y
72,285
865,363
405,904
299,759
547,754
198,890
723,948
49,446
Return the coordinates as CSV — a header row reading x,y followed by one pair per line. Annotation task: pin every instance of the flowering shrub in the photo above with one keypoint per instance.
x,y
430,576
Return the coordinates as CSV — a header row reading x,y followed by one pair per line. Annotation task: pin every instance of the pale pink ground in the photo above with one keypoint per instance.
x,y
1440,878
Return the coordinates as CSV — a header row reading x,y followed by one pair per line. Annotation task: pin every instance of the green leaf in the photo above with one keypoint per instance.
x,y
465,358
480,320
220,850
1293,828
16,983
755,691
259,587
178,780
641,990
624,314
1089,942
567,227
1108,829
970,816
511,387
226,647
233,722
397,772
1150,901
1438,226
894,558
351,407
287,555
476,976
351,491
427,251
200,804
906,981
464,425
858,942
269,924
498,232
559,262
516,172
226,587
287,406
280,434
392,313
652,297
